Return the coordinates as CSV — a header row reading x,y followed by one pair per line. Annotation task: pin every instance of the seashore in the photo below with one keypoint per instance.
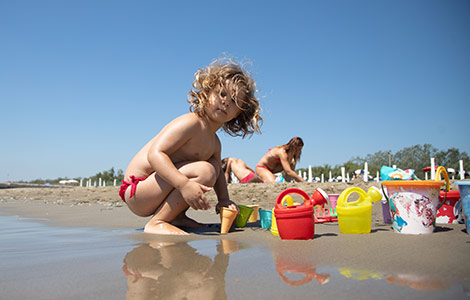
x,y
427,262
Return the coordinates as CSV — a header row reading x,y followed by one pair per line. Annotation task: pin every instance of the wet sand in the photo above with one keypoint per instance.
x,y
423,261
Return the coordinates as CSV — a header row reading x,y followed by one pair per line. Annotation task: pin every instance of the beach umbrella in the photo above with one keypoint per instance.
x,y
68,181
428,169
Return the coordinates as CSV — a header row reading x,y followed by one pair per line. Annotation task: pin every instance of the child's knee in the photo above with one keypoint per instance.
x,y
207,174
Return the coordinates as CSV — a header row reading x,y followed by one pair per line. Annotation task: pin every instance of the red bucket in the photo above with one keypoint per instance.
x,y
295,222
449,212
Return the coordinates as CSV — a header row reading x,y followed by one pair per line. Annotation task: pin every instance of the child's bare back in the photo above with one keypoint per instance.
x,y
200,146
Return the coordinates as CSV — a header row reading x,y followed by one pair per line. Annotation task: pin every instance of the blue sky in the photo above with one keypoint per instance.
x,y
85,84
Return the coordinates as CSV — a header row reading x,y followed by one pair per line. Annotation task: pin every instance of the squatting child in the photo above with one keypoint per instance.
x,y
175,169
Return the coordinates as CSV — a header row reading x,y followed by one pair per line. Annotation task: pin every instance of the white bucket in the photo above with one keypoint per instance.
x,y
413,205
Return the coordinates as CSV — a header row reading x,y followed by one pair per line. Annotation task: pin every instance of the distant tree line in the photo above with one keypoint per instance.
x,y
415,157
106,176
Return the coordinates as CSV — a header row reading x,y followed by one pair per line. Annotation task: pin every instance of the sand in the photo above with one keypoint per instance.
x,y
444,254
102,207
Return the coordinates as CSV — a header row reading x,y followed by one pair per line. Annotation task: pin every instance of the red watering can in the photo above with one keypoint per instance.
x,y
296,222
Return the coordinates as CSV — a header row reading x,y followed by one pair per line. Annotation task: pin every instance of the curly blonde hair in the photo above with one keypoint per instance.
x,y
215,76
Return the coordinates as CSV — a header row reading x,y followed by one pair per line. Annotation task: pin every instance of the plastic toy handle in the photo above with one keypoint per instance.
x,y
287,199
286,192
384,192
342,199
442,170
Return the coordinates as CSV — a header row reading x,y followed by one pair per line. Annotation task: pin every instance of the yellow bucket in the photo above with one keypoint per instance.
x,y
356,217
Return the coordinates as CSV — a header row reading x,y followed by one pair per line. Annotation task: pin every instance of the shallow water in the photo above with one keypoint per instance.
x,y
45,262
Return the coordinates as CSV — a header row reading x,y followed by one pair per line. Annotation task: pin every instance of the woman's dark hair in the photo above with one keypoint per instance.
x,y
294,148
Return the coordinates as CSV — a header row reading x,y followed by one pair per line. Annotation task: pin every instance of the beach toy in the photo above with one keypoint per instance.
x,y
464,189
319,197
388,173
296,222
227,216
244,215
286,201
356,217
333,199
450,211
265,217
274,229
386,208
386,212
414,203
323,215
254,214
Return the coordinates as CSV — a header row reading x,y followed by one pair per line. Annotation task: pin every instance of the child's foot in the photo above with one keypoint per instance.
x,y
162,227
183,220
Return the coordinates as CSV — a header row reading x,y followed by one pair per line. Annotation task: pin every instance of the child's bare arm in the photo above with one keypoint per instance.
x,y
168,141
223,197
220,188
228,169
288,169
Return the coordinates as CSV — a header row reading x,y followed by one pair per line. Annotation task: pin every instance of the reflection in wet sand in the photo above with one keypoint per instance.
x,y
198,270
308,273
294,270
41,262
359,274
163,270
417,282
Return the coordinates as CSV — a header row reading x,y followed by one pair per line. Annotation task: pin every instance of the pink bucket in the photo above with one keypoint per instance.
x,y
333,199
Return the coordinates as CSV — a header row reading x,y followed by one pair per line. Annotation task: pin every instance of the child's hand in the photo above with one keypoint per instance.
x,y
226,203
193,194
